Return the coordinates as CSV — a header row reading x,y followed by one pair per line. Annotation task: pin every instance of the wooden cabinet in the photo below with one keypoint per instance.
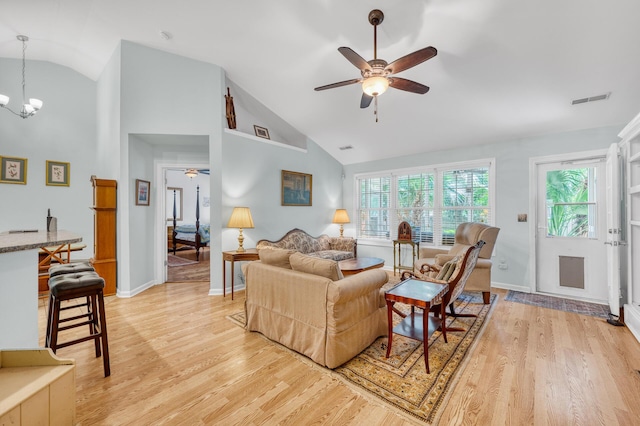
x,y
104,232
38,388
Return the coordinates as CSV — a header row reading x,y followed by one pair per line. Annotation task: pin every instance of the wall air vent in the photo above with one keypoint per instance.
x,y
344,148
591,99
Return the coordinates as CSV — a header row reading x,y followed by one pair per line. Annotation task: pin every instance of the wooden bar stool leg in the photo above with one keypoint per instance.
x,y
55,319
103,332
94,326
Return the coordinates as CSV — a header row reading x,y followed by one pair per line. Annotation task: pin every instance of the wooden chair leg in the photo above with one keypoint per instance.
x,y
486,297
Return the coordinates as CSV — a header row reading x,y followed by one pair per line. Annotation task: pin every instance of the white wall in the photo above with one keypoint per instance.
x,y
64,130
148,79
512,192
177,179
252,177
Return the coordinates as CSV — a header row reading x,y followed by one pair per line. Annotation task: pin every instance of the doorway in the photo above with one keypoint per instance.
x,y
187,200
570,254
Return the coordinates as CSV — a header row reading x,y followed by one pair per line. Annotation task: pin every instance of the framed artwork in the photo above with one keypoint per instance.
x,y
170,202
143,192
261,132
297,188
57,173
14,170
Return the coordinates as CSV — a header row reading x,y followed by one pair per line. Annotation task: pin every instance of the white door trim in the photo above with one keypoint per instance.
x,y
533,201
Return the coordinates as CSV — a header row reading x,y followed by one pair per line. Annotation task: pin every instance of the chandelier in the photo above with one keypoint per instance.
x,y
28,109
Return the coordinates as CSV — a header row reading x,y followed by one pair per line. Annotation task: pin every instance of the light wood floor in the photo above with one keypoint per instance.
x,y
175,359
195,272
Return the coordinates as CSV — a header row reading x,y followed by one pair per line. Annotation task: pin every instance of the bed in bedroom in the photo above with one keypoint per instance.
x,y
193,235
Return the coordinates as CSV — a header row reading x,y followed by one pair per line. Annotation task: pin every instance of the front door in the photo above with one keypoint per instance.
x,y
571,258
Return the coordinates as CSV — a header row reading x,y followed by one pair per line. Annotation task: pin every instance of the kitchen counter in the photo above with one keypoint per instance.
x,y
19,284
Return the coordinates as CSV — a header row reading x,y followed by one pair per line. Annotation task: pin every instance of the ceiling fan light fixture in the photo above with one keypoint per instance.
x,y
191,173
375,86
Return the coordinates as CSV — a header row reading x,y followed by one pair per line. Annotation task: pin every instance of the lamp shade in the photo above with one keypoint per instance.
x,y
341,216
4,99
240,218
375,86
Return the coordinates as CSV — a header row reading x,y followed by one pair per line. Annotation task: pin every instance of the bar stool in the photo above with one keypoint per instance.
x,y
68,268
73,285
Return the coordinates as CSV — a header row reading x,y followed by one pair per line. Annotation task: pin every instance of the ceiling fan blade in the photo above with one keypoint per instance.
x,y
365,101
411,60
339,84
408,85
354,58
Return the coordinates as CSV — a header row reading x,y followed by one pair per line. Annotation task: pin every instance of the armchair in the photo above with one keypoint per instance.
x,y
456,273
467,234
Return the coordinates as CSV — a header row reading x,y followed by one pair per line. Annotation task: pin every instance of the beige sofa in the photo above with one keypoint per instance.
x,y
467,235
311,308
324,246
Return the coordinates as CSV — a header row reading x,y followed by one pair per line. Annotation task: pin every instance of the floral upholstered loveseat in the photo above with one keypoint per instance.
x,y
324,246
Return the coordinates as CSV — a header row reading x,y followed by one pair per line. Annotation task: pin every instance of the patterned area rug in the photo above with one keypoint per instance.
x,y
401,380
178,261
559,304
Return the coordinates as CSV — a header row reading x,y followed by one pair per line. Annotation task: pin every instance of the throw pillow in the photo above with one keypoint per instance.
x,y
313,265
276,257
447,270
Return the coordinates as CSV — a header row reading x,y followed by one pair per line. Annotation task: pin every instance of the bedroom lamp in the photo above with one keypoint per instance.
x,y
240,218
341,217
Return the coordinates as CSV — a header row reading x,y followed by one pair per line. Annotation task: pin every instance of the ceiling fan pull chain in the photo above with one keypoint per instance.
x,y
375,109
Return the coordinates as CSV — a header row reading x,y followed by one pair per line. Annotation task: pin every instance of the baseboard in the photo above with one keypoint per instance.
x,y
632,320
218,291
513,287
137,290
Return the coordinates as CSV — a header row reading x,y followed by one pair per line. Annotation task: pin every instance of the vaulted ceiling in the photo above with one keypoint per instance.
x,y
505,69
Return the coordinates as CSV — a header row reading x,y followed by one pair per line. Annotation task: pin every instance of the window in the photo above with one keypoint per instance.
x,y
571,203
433,200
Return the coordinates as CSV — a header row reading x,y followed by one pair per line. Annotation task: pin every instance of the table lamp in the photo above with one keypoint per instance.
x,y
341,217
240,218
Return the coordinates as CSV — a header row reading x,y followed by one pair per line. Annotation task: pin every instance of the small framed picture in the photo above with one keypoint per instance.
x,y
261,132
57,173
143,192
14,170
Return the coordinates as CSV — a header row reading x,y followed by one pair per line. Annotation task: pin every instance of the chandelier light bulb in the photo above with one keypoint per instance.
x,y
375,86
35,103
4,100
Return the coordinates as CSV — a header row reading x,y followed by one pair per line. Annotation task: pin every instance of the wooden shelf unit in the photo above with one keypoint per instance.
x,y
104,228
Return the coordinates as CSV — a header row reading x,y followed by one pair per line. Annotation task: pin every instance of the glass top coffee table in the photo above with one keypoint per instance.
x,y
358,264
418,326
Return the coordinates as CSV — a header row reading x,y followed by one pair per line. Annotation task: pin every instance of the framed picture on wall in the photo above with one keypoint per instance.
x,y
261,132
297,188
143,192
13,170
57,173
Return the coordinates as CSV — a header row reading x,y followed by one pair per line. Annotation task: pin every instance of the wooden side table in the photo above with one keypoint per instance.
x,y
235,256
397,255
417,326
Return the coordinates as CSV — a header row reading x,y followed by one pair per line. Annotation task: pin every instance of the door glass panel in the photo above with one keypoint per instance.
x,y
571,203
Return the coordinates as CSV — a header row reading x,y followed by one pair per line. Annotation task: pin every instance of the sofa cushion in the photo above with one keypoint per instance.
x,y
276,257
313,265
333,254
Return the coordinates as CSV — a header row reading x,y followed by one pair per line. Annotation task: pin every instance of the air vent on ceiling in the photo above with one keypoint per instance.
x,y
344,148
591,99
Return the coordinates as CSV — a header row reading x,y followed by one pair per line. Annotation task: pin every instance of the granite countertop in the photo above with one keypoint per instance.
x,y
33,240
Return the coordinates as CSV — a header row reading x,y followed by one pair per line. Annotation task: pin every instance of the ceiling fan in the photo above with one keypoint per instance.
x,y
377,74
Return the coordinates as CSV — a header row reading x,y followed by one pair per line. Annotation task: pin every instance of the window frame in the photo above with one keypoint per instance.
x,y
438,171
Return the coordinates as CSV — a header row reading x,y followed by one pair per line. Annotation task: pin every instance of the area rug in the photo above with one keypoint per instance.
x,y
178,261
401,380
558,303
